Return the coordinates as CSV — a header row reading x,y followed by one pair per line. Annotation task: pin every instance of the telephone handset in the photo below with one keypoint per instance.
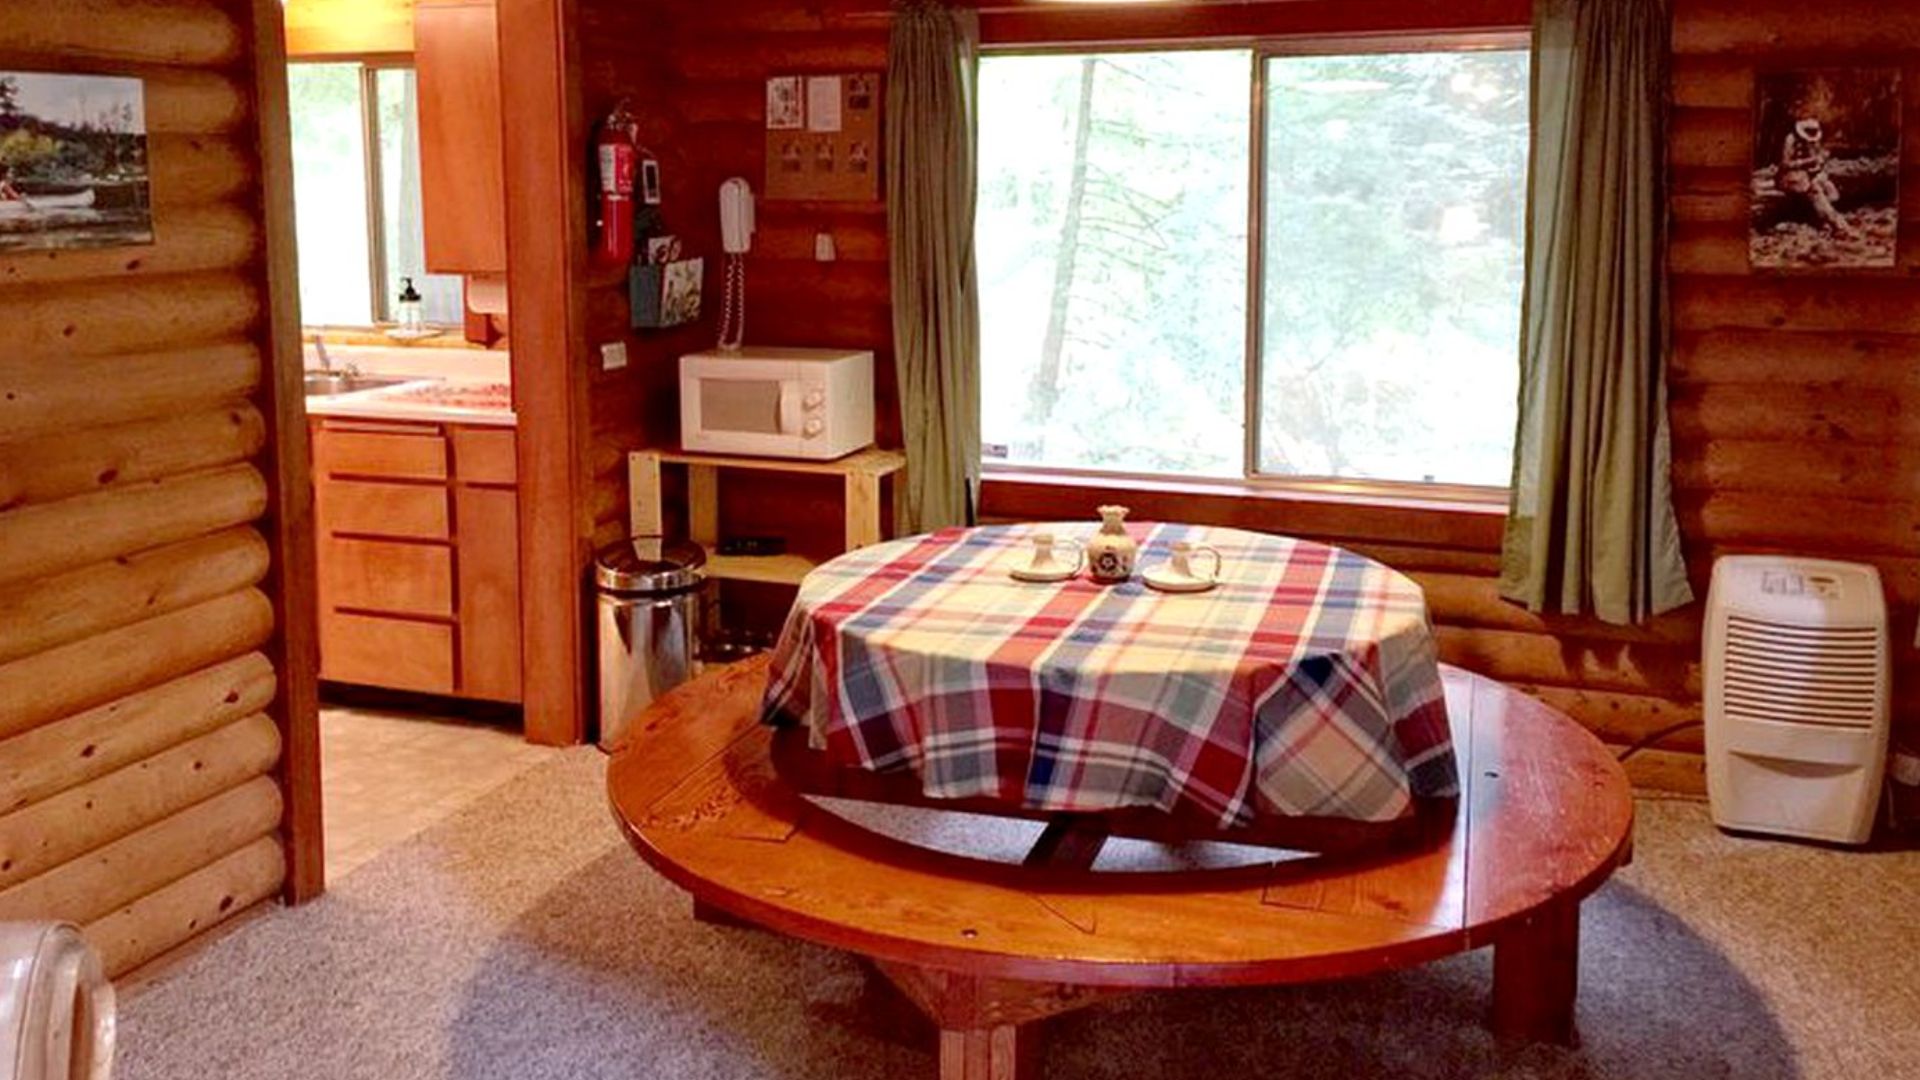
x,y
736,216
736,239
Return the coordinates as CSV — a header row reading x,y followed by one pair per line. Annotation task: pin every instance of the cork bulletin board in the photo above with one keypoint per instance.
x,y
823,137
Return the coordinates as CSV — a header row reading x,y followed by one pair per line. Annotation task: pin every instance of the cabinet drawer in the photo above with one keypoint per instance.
x,y
417,454
387,652
483,455
375,575
408,511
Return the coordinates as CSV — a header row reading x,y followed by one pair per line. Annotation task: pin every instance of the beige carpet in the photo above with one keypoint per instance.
x,y
521,939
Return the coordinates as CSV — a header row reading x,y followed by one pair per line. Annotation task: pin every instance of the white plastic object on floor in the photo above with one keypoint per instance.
x,y
56,1005
1797,705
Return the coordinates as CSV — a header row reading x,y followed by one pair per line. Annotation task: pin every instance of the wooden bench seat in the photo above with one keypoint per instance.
x,y
987,947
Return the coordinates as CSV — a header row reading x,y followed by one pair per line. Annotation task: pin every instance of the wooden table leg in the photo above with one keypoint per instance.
x,y
1000,1053
1536,971
989,1027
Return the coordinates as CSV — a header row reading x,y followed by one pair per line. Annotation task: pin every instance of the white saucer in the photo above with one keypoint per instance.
x,y
1042,577
1164,578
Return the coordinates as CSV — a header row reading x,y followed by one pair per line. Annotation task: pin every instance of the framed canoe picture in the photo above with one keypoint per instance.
x,y
73,162
1826,169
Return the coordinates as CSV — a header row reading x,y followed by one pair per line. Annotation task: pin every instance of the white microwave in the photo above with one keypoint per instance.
x,y
772,402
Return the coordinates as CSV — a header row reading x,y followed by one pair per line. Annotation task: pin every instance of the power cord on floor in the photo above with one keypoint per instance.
x,y
1659,736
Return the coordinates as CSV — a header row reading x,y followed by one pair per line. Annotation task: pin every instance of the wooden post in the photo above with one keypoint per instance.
x,y
1536,967
703,505
644,513
863,510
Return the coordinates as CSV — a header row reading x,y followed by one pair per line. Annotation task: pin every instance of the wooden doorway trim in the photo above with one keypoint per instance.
x,y
546,224
289,525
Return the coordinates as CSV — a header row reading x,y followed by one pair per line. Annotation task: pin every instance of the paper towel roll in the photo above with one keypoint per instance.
x,y
487,293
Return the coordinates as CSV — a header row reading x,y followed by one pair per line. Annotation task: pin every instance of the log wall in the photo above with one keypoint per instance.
x,y
1793,398
147,703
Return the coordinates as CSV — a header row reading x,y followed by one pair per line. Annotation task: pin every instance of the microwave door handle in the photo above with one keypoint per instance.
x,y
789,407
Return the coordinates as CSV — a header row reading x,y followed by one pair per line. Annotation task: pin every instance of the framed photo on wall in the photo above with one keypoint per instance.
x,y
73,162
1826,170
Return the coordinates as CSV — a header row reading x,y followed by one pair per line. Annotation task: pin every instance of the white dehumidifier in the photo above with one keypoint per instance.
x,y
1797,700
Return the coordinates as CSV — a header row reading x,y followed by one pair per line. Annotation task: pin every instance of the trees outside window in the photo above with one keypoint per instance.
x,y
1115,264
356,194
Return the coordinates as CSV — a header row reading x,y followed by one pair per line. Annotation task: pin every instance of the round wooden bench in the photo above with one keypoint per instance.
x,y
985,948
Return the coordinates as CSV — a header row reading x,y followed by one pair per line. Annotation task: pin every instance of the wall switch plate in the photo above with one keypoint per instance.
x,y
613,356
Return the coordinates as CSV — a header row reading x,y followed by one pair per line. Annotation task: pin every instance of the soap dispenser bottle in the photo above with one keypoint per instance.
x,y
407,313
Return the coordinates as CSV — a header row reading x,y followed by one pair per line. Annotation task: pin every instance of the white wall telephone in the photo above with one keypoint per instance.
x,y
736,239
736,216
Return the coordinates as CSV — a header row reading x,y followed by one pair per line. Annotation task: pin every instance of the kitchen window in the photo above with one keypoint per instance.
x,y
356,193
1272,264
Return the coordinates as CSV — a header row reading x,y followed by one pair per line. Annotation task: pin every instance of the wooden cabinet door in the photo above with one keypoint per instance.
x,y
489,557
462,171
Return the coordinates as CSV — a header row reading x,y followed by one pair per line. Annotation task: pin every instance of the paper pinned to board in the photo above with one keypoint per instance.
x,y
823,103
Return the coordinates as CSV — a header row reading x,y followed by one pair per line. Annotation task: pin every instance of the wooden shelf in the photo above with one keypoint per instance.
x,y
872,461
774,569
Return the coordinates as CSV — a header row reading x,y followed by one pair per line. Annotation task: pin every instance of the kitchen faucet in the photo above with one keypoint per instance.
x,y
351,370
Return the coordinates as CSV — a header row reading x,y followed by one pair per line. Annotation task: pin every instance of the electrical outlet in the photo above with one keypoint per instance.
x,y
1906,768
613,356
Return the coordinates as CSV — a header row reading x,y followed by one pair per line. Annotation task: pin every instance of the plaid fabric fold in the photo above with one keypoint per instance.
x,y
1306,684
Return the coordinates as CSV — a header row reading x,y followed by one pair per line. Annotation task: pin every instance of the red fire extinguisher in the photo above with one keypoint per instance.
x,y
618,149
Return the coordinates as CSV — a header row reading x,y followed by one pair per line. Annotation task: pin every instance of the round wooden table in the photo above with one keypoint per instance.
x,y
986,948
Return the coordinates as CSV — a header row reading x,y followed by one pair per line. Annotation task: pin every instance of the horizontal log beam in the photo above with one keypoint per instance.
x,y
109,877
1474,601
51,538
66,753
1540,660
38,398
55,467
67,826
1624,718
98,318
40,614
65,680
1853,362
188,33
1776,29
204,238
186,908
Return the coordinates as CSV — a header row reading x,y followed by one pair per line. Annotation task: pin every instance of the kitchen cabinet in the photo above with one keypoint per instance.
x,y
419,556
462,167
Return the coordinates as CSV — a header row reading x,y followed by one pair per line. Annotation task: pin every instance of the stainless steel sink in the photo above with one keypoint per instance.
x,y
322,384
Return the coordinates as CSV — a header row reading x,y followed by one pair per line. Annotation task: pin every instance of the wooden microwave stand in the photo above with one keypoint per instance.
x,y
861,474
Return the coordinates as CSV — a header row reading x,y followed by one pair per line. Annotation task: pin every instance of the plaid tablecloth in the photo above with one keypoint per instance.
x,y
1306,684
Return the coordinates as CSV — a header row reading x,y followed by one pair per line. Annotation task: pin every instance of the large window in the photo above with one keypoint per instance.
x,y
356,193
1369,333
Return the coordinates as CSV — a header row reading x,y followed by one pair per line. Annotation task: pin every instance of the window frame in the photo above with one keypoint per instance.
x,y
1263,50
373,164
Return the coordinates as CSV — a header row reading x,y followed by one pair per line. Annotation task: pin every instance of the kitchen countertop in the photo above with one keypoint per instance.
x,y
429,400
439,386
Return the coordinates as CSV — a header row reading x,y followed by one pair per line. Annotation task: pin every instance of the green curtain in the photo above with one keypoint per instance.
x,y
1591,528
932,131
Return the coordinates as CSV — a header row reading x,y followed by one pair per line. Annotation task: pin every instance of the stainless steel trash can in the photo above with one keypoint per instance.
x,y
648,617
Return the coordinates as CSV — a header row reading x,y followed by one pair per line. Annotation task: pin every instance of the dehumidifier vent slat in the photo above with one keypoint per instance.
x,y
1789,673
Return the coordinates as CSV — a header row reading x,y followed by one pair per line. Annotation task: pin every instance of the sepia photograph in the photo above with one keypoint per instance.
x,y
1826,170
786,108
73,162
